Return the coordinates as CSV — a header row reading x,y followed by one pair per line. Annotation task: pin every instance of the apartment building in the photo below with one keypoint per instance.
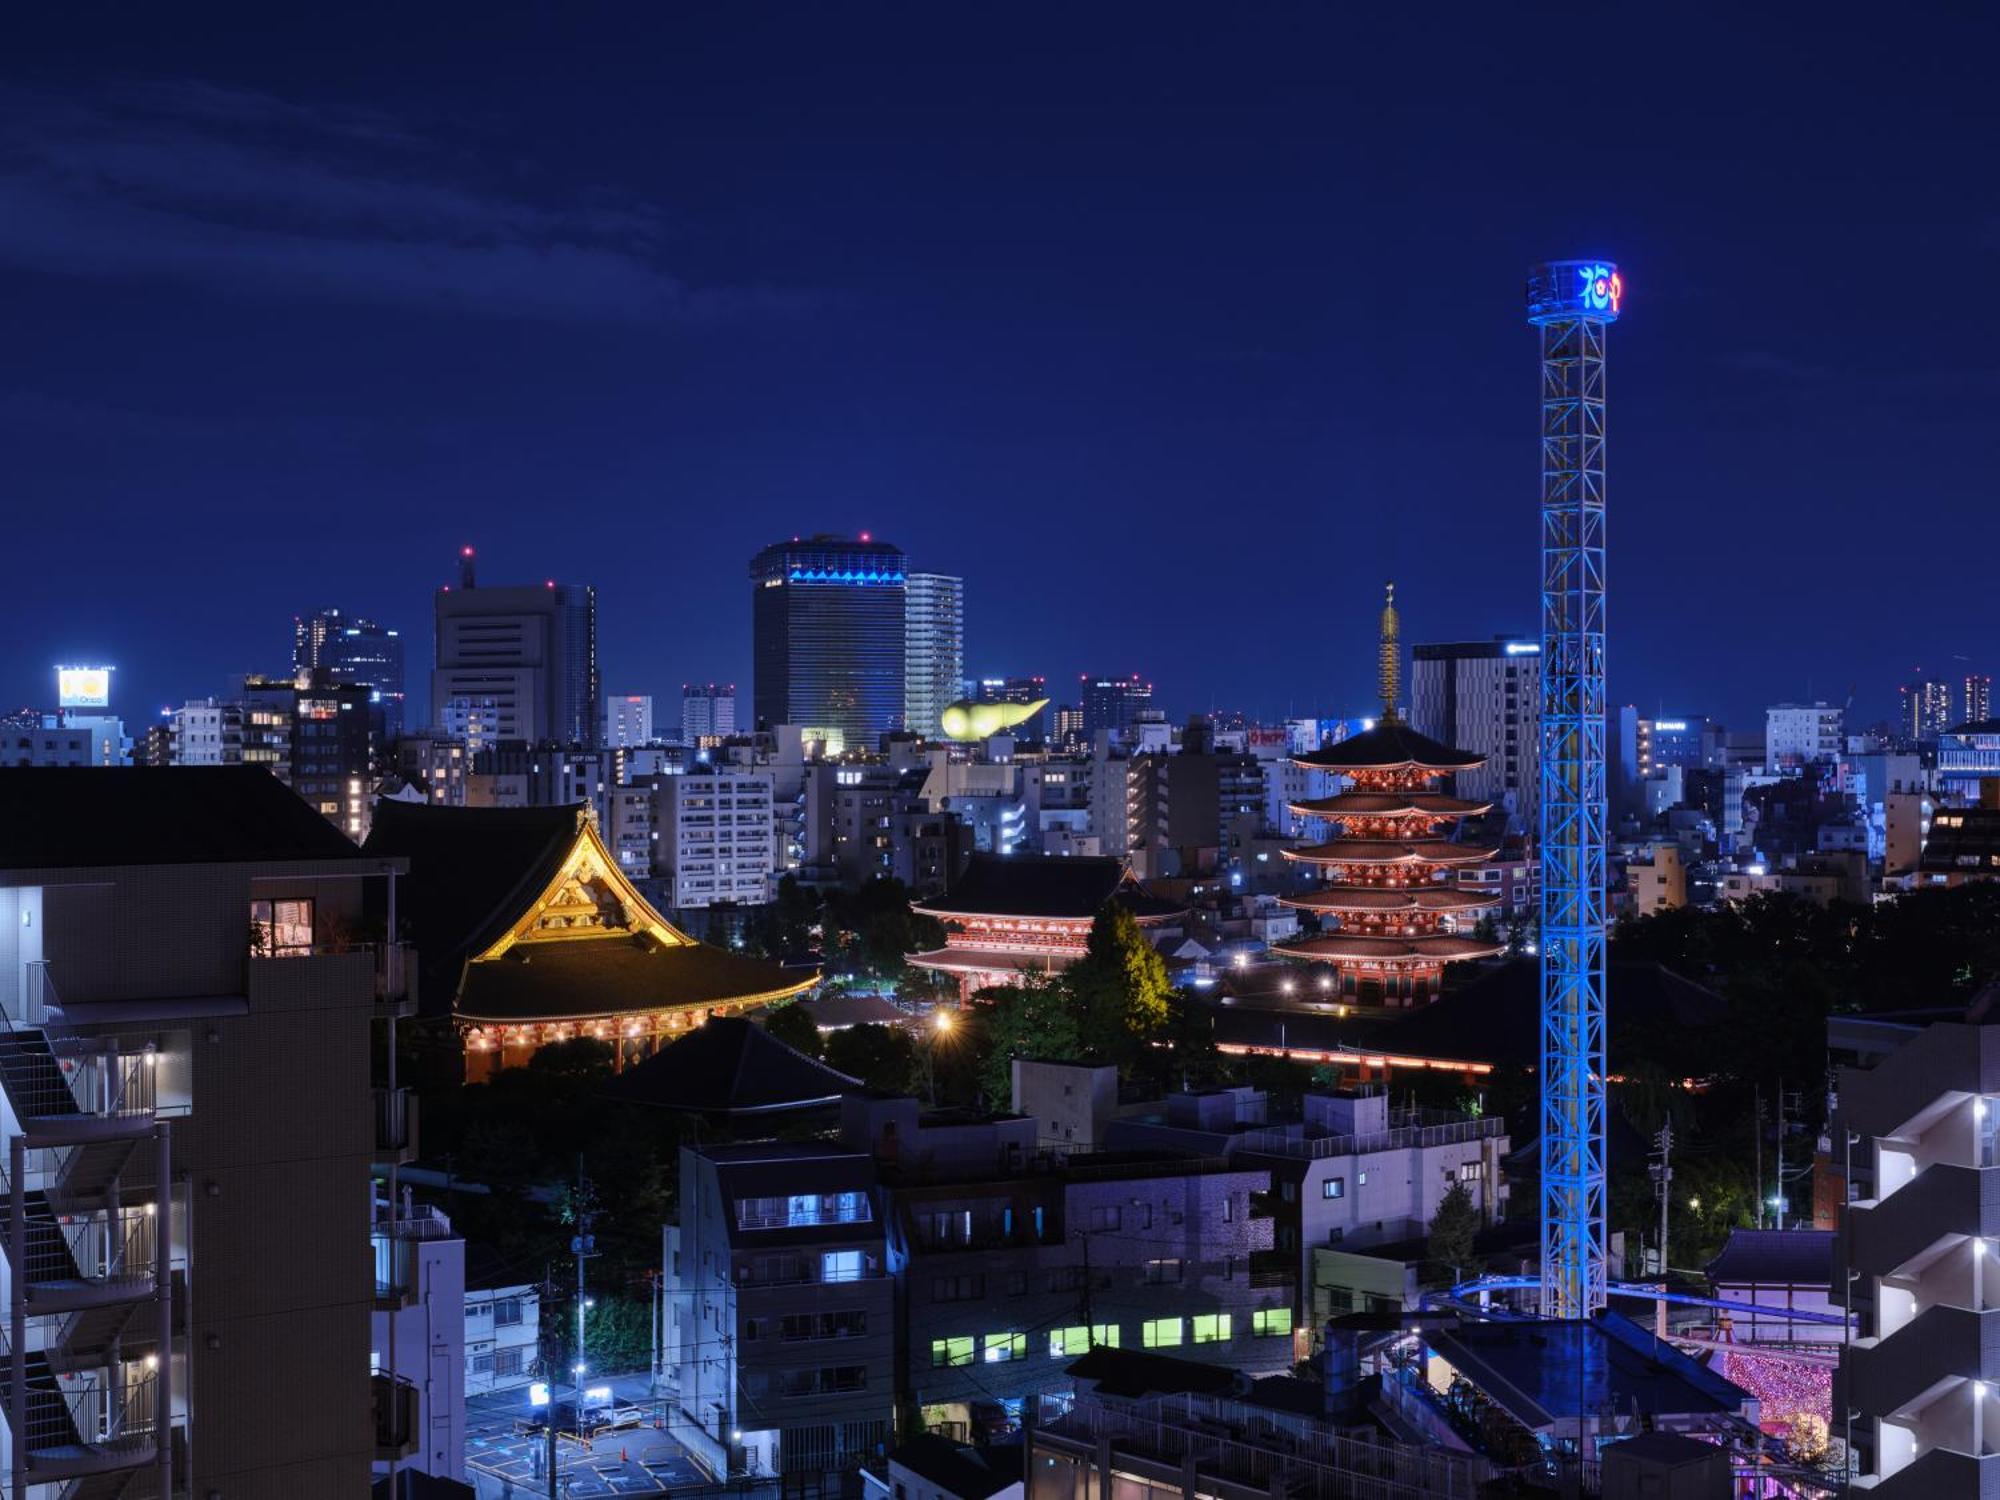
x,y
783,1312
186,1093
1349,1173
715,836
1921,1241
1016,1261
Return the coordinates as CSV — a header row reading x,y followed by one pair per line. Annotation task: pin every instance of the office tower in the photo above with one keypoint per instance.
x,y
628,720
1978,698
933,649
1113,703
828,624
529,651
317,737
1483,697
1019,690
1926,705
1066,724
354,652
1799,733
188,1236
708,711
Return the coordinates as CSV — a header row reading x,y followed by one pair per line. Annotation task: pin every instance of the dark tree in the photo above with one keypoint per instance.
x,y
791,1025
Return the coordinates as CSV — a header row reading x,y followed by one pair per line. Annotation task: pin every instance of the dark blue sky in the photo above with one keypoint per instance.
x,y
1175,330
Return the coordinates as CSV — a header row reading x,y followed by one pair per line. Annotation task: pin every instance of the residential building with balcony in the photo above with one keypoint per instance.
x,y
1921,1247
502,1331
715,839
1014,1260
1350,1174
782,1322
187,1204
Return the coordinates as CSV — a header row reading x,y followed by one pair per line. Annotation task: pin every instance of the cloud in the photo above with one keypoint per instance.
x,y
192,183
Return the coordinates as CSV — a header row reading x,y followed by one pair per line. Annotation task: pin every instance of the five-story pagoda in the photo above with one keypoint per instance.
x,y
1391,905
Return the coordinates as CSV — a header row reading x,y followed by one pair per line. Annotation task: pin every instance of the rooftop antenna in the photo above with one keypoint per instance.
x,y
466,570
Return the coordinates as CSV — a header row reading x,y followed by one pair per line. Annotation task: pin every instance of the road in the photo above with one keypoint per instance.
x,y
501,1462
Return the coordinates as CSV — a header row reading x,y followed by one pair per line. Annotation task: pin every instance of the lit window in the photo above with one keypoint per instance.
x,y
1001,1347
840,1265
951,1351
1160,1333
1334,1187
1211,1328
1271,1320
281,929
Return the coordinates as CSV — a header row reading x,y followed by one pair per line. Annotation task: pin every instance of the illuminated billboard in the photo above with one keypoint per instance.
x,y
83,687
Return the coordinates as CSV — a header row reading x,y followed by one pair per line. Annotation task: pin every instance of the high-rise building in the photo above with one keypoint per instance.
x,y
1113,703
1019,690
529,651
714,836
358,652
1066,724
1926,705
316,737
1978,698
829,626
189,1236
933,649
1796,734
628,720
1485,697
708,711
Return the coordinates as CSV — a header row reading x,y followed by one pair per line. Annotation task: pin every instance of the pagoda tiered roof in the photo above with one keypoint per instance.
x,y
1369,948
1376,899
1390,746
1391,852
1389,805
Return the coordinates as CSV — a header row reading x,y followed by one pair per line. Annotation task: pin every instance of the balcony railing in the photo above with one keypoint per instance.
x,y
396,1240
71,1262
61,1084
1397,1138
395,1124
398,1416
81,1424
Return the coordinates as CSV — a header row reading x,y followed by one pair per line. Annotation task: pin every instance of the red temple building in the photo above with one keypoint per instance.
x,y
1010,915
1391,908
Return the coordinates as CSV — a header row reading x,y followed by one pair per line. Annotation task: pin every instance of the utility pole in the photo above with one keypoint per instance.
x,y
582,1245
1757,1144
1663,1177
1782,1200
551,1361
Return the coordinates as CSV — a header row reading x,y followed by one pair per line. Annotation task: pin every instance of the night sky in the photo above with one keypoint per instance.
x,y
1175,330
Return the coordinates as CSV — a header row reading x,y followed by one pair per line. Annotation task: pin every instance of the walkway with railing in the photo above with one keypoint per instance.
x,y
1229,1441
1412,1135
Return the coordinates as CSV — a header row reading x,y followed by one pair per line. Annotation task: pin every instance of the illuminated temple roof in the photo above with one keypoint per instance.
x,y
522,915
1029,885
1389,805
1391,852
1358,948
1438,898
1390,745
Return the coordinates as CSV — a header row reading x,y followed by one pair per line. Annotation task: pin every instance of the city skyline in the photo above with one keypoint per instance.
x,y
1298,296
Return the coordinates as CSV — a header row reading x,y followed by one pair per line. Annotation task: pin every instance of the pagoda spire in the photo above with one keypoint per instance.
x,y
1390,658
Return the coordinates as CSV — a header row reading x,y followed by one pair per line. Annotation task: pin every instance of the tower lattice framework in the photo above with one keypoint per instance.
x,y
1572,304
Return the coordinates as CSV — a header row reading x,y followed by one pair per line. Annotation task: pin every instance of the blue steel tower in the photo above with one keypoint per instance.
x,y
1572,303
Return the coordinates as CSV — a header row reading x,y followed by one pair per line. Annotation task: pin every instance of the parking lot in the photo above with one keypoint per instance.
x,y
503,1462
